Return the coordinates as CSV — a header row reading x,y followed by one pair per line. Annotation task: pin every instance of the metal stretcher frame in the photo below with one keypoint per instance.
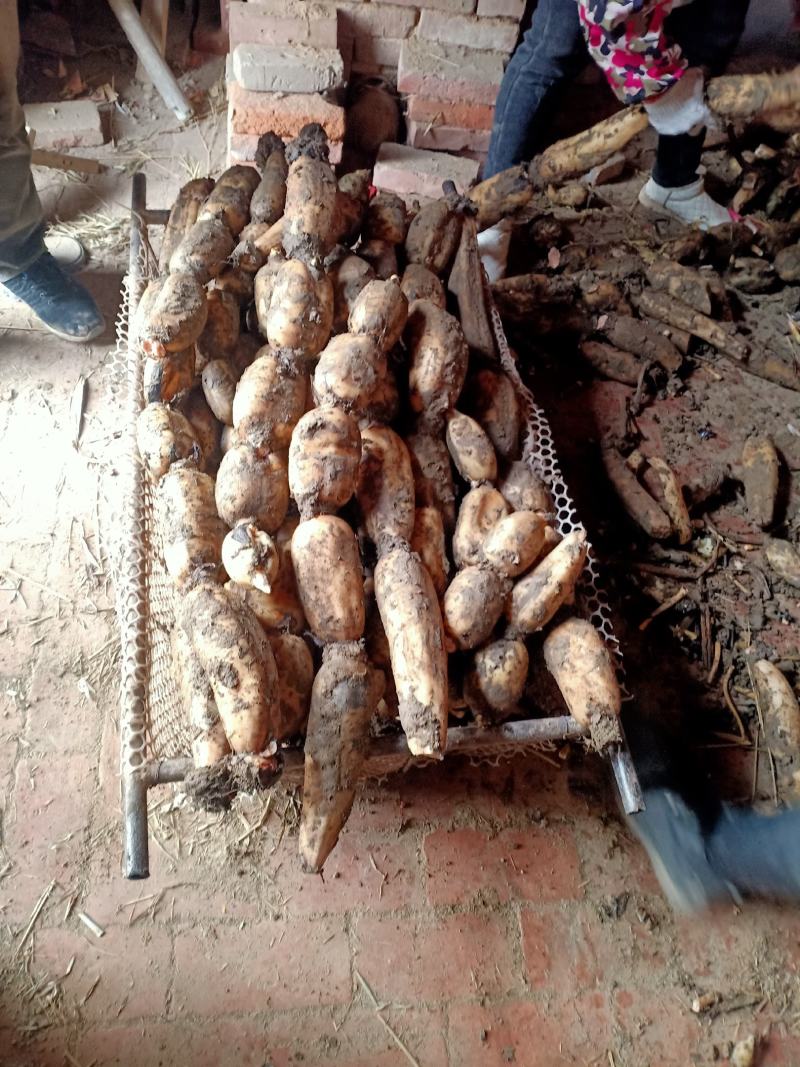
x,y
142,766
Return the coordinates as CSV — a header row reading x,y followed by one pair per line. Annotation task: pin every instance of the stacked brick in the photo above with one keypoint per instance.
x,y
285,70
450,71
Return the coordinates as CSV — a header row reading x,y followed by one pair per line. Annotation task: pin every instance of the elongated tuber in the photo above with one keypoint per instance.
x,y
577,657
536,598
327,568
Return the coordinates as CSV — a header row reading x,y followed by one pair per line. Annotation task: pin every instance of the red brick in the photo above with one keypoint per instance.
x,y
447,138
282,22
211,1042
375,20
265,965
356,1038
44,1049
418,172
132,963
530,1034
350,879
285,113
712,945
779,1050
448,72
660,1024
461,7
53,688
532,864
492,35
433,959
67,124
618,863
513,9
377,51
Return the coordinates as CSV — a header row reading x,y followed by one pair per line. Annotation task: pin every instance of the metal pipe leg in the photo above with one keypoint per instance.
x,y
136,855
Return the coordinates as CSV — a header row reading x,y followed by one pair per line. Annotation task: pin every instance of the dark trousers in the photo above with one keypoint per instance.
x,y
553,52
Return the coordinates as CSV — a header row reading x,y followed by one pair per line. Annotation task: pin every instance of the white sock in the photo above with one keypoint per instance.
x,y
493,245
688,203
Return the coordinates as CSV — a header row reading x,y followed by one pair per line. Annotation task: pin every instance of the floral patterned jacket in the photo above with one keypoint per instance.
x,y
626,40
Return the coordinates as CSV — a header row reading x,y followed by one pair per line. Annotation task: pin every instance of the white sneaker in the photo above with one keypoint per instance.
x,y
689,204
493,245
67,251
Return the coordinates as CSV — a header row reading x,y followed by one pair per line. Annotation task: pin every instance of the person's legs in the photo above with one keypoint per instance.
x,y
552,51
27,270
21,226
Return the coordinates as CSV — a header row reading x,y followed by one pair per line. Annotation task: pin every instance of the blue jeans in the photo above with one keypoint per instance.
x,y
553,51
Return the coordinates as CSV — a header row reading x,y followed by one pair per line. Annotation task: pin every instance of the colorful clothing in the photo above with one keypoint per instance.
x,y
626,39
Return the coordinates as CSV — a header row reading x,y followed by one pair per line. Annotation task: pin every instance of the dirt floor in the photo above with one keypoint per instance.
x,y
470,914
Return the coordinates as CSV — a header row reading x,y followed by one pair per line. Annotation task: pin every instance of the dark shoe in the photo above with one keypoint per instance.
x,y
759,854
671,834
65,308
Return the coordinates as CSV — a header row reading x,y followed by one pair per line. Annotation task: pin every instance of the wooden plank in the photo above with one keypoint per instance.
x,y
41,157
155,18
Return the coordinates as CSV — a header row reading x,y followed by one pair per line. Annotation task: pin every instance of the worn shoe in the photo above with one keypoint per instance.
x,y
68,252
758,854
689,204
66,308
670,833
493,246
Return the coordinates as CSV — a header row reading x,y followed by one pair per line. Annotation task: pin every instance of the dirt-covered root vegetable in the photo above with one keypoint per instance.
x,y
784,560
219,387
473,604
496,681
310,215
428,541
514,543
233,650
295,666
323,461
433,475
472,451
271,396
438,357
229,200
194,689
250,557
191,530
781,714
280,609
502,195
380,310
349,276
433,236
524,490
578,659
171,314
327,568
412,619
210,746
252,484
344,697
163,437
204,250
268,199
645,511
551,538
221,331
419,283
495,406
182,217
353,374
481,509
263,285
236,282
167,378
206,426
385,488
381,256
352,197
536,598
300,315
386,219
759,470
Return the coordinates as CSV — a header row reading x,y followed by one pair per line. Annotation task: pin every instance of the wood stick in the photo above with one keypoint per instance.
x,y
41,157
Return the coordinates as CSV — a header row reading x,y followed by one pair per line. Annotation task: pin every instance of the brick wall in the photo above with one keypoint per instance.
x,y
446,58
